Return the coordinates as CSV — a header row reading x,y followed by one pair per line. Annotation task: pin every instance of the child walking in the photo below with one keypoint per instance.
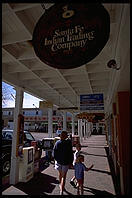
x,y
76,154
79,173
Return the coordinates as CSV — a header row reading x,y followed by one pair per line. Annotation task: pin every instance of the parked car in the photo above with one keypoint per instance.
x,y
7,146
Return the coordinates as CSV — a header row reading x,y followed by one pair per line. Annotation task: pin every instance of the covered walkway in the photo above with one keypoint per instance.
x,y
99,181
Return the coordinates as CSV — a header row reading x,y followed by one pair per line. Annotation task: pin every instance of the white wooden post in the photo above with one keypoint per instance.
x,y
64,121
73,125
84,129
50,122
14,171
91,127
81,135
79,130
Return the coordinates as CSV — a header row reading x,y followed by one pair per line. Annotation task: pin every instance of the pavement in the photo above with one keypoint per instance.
x,y
98,181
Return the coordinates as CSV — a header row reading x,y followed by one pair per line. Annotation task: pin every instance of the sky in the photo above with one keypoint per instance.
x,y
10,93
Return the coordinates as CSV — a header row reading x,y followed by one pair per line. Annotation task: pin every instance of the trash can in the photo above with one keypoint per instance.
x,y
26,167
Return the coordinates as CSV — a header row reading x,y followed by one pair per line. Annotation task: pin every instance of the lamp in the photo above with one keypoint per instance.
x,y
112,64
34,105
36,108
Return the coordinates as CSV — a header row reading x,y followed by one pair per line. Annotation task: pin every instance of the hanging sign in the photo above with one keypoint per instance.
x,y
91,102
68,108
45,104
70,35
91,117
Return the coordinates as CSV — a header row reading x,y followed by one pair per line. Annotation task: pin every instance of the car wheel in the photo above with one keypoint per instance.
x,y
6,164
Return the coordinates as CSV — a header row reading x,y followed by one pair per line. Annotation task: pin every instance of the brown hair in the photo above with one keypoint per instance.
x,y
78,145
79,157
63,135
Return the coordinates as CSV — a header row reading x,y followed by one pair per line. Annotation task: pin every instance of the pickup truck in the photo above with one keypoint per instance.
x,y
7,146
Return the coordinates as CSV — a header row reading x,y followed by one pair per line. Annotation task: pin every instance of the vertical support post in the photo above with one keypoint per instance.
x,y
88,128
64,121
73,125
50,122
81,134
14,172
91,127
84,129
79,130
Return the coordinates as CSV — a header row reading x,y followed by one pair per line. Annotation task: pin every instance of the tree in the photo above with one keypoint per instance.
x,y
7,93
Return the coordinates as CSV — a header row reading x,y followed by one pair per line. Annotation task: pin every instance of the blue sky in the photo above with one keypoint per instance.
x,y
28,100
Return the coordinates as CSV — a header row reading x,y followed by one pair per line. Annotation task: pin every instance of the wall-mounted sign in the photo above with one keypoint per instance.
x,y
85,115
91,102
45,104
70,35
91,117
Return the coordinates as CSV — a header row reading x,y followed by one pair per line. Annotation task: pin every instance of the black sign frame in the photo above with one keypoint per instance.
x,y
67,41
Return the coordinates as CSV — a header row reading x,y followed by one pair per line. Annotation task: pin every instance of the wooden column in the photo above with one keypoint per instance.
x,y
123,132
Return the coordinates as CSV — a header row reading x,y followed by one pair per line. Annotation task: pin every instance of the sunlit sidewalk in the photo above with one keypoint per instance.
x,y
98,181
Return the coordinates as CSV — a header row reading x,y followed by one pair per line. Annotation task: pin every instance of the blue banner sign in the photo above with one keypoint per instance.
x,y
91,102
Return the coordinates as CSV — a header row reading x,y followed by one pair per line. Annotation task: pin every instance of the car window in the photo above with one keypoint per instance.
x,y
7,135
3,134
29,137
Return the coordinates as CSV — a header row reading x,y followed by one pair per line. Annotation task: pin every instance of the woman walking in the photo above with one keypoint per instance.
x,y
63,155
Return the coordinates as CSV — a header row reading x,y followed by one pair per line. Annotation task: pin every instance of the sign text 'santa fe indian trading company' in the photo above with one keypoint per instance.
x,y
68,36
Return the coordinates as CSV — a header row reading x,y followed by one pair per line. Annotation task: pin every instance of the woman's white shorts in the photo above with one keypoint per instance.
x,y
59,167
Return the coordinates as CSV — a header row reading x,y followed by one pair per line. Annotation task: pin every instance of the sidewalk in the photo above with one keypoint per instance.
x,y
98,181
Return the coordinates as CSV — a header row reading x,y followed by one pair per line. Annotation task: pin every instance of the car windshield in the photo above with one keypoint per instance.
x,y
7,135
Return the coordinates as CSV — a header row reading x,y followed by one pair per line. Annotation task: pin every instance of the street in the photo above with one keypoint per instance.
x,y
41,135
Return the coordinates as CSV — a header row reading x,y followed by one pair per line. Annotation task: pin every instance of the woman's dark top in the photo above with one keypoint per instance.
x,y
62,152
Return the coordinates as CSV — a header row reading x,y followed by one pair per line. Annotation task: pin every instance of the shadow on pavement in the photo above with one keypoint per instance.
x,y
39,185
43,164
112,170
85,153
101,171
95,146
84,146
68,193
97,192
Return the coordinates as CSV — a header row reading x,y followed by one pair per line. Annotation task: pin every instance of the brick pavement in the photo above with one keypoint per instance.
x,y
98,181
